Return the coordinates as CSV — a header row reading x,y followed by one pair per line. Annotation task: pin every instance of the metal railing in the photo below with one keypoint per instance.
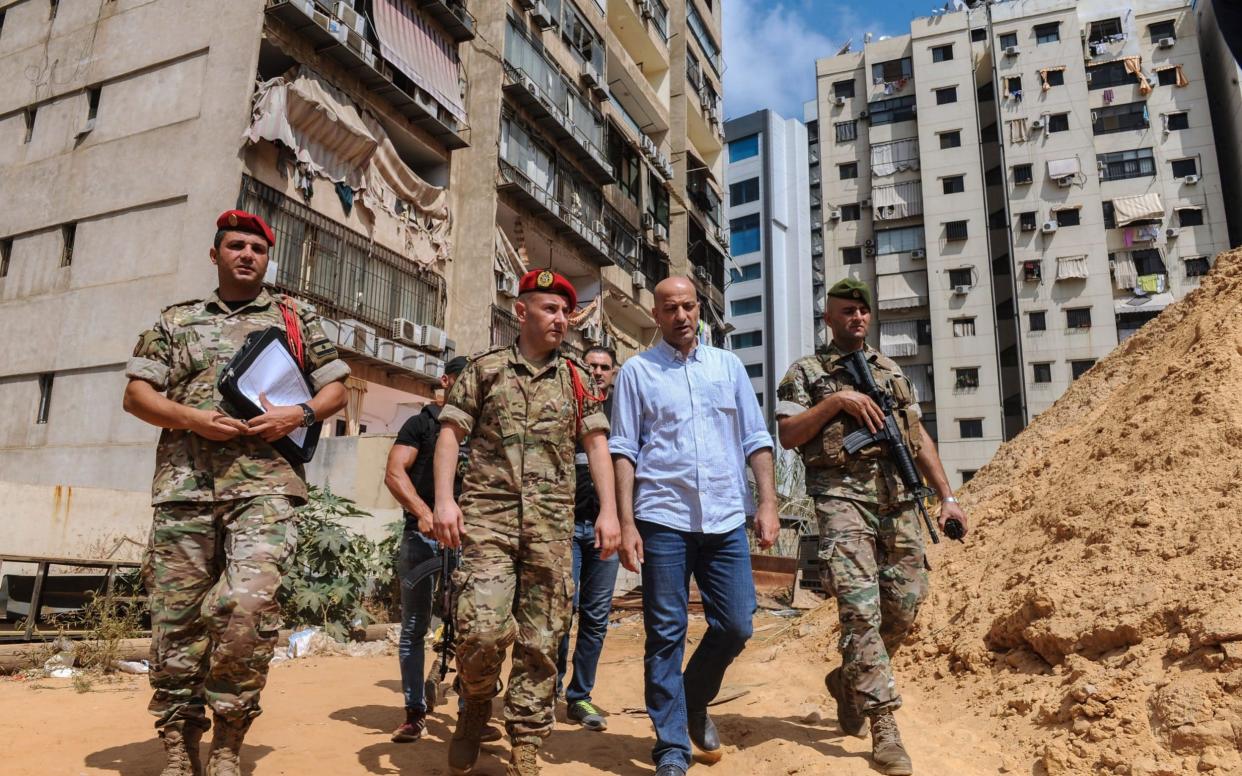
x,y
504,327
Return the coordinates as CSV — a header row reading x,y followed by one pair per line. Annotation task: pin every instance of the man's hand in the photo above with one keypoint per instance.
x,y
862,409
607,534
449,523
275,422
426,522
948,510
631,548
767,525
217,426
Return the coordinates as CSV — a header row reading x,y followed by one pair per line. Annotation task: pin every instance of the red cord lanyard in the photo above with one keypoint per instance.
x,y
580,391
293,333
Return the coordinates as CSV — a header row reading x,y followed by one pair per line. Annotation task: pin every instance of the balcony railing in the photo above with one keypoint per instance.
x,y
505,327
452,16
583,226
343,273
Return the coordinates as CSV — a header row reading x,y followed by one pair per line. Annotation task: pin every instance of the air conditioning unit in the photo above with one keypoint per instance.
x,y
645,9
1170,233
432,339
599,228
705,100
1065,181
433,367
404,330
386,350
648,146
600,91
961,290
414,360
507,285
638,278
647,221
1166,42
918,253
866,202
353,20
838,101
358,336
862,114
1037,124
541,16
1049,227
661,232
1088,76
834,215
1190,180
529,84
590,77
701,274
1012,51
667,170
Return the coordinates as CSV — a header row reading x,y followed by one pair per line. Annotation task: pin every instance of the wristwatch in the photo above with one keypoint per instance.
x,y
308,415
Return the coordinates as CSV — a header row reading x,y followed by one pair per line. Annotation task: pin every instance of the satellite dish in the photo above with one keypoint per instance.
x,y
846,48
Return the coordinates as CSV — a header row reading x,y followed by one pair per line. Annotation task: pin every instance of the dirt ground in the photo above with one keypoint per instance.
x,y
334,714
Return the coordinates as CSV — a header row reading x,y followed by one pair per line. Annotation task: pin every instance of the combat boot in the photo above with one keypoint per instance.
x,y
181,740
848,717
886,748
523,761
226,744
464,748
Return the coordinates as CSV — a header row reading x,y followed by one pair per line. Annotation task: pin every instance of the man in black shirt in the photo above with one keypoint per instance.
x,y
409,478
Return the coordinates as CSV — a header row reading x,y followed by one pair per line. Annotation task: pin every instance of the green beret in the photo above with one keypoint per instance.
x,y
852,288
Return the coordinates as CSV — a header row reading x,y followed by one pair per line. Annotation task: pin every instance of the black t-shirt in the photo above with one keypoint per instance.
x,y
586,500
421,432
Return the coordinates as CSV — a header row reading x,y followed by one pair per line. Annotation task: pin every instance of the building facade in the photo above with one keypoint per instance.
x,y
1024,184
768,299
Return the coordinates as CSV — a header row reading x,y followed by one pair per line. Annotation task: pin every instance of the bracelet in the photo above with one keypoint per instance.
x,y
949,500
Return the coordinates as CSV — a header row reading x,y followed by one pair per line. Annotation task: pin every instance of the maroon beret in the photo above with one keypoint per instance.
x,y
241,221
550,282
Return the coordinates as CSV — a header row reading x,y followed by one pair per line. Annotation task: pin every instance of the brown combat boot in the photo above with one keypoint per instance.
x,y
523,761
464,747
181,740
848,718
226,744
886,747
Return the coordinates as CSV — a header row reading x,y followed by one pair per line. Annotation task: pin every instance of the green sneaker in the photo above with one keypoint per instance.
x,y
586,714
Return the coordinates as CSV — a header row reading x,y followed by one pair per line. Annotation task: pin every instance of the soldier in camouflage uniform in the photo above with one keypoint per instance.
x,y
871,542
523,407
223,499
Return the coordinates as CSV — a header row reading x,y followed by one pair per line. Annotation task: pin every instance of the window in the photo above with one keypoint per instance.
x,y
967,475
754,370
971,428
629,168
946,95
744,234
1166,77
978,34
749,339
746,272
843,89
1013,84
892,70
1042,373
1105,30
1068,217
1078,317
851,255
1028,221
1184,167
92,103
1177,121
744,191
1032,271
1047,33
1108,75
29,116
1079,368
954,184
657,199
955,230
747,306
45,397
1058,122
962,276
951,139
68,233
1055,77
744,148
924,332
1189,216
1037,321
966,377
1022,174
1008,39
1196,266
1119,165
1110,215
1147,262
851,212
759,397
848,170
1119,118
6,254
891,111
963,327
1158,30
901,240
846,131
942,53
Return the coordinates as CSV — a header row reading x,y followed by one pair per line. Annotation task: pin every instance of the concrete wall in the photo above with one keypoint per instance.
x,y
1223,76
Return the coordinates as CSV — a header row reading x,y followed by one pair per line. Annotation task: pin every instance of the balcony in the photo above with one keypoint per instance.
x,y
359,58
584,230
703,194
452,16
641,27
635,94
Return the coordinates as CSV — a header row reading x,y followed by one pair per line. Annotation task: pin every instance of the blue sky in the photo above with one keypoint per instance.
x,y
770,46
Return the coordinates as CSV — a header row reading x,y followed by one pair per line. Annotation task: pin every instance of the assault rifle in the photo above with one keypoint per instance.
x,y
855,365
435,687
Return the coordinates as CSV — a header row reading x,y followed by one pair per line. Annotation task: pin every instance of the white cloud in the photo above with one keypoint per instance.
x,y
770,51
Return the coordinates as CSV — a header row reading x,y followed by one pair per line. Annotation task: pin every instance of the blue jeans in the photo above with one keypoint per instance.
x,y
594,580
720,564
415,613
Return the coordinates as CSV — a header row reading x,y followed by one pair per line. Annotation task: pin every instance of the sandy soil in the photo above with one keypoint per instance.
x,y
333,715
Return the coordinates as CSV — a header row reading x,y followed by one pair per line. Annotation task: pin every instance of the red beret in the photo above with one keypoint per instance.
x,y
549,282
242,221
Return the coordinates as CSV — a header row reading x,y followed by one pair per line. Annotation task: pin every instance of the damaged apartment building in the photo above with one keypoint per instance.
x,y
414,157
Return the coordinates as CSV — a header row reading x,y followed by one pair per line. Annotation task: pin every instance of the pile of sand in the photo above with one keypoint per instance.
x,y
1095,610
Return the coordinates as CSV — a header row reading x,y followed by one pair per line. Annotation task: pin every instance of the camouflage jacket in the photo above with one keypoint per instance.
x,y
867,476
522,420
182,355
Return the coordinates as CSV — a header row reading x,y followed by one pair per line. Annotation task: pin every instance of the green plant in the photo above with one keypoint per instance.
x,y
109,619
333,570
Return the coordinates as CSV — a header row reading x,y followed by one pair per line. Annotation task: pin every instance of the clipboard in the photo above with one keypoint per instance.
x,y
264,364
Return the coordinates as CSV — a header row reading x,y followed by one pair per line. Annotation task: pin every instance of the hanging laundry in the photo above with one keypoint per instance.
x,y
346,195
1129,236
1108,96
1151,284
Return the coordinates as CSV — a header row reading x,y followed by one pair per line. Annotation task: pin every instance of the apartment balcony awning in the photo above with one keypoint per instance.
x,y
420,52
900,200
592,239
1127,210
902,290
452,16
526,92
1142,304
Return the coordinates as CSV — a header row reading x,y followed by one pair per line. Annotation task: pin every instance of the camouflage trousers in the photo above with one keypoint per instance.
x,y
513,591
873,565
213,570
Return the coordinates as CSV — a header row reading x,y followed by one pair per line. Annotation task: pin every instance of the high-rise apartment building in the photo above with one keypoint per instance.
x,y
1024,184
768,300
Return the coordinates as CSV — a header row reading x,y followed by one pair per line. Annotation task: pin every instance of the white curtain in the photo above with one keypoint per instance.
x,y
899,338
901,291
1069,267
901,200
889,158
1059,168
1125,275
920,380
